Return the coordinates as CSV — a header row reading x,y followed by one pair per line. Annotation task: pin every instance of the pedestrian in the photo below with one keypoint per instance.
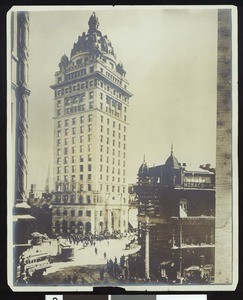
x,y
102,271
69,279
75,278
96,251
104,255
126,274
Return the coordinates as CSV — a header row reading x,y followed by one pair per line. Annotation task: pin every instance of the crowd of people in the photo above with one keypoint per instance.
x,y
90,239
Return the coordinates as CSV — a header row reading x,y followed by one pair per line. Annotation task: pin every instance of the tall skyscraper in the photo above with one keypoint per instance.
x,y
91,106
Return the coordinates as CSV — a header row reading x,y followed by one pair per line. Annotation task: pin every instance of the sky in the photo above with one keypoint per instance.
x,y
170,56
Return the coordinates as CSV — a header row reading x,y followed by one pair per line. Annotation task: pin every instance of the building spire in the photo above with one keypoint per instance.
x,y
171,151
47,187
93,23
144,158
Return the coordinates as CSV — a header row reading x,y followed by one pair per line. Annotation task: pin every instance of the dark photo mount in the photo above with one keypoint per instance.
x,y
145,220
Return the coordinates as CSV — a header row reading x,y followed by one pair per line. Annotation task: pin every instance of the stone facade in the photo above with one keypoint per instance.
x,y
91,106
23,222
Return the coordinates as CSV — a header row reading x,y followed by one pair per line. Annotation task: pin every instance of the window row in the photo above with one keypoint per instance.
x,y
72,159
76,87
73,213
73,121
114,123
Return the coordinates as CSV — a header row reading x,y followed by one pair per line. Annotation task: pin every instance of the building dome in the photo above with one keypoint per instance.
x,y
94,41
172,162
143,170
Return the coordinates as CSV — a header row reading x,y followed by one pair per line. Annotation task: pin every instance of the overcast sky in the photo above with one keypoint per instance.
x,y
170,57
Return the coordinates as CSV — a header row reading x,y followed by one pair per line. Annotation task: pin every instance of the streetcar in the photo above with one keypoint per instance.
x,y
32,263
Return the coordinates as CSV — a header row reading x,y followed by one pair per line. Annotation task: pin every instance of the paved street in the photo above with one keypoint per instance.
x,y
86,256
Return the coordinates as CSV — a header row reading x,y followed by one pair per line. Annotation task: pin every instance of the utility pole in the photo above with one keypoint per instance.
x,y
147,271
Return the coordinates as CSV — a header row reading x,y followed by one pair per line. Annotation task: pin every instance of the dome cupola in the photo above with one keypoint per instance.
x,y
172,162
143,170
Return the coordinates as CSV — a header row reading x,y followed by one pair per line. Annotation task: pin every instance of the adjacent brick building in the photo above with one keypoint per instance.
x,y
176,217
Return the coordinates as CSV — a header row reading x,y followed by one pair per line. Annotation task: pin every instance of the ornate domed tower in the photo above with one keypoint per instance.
x,y
91,105
171,172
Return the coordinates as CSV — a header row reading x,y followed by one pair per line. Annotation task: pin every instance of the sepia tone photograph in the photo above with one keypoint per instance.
x,y
122,148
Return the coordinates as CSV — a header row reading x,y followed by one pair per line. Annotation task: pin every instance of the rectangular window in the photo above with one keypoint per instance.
x,y
81,129
81,119
90,118
65,150
88,213
59,124
89,167
80,213
81,158
81,149
91,95
81,138
65,160
74,130
91,69
91,105
81,168
74,140
90,128
89,157
89,137
66,141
